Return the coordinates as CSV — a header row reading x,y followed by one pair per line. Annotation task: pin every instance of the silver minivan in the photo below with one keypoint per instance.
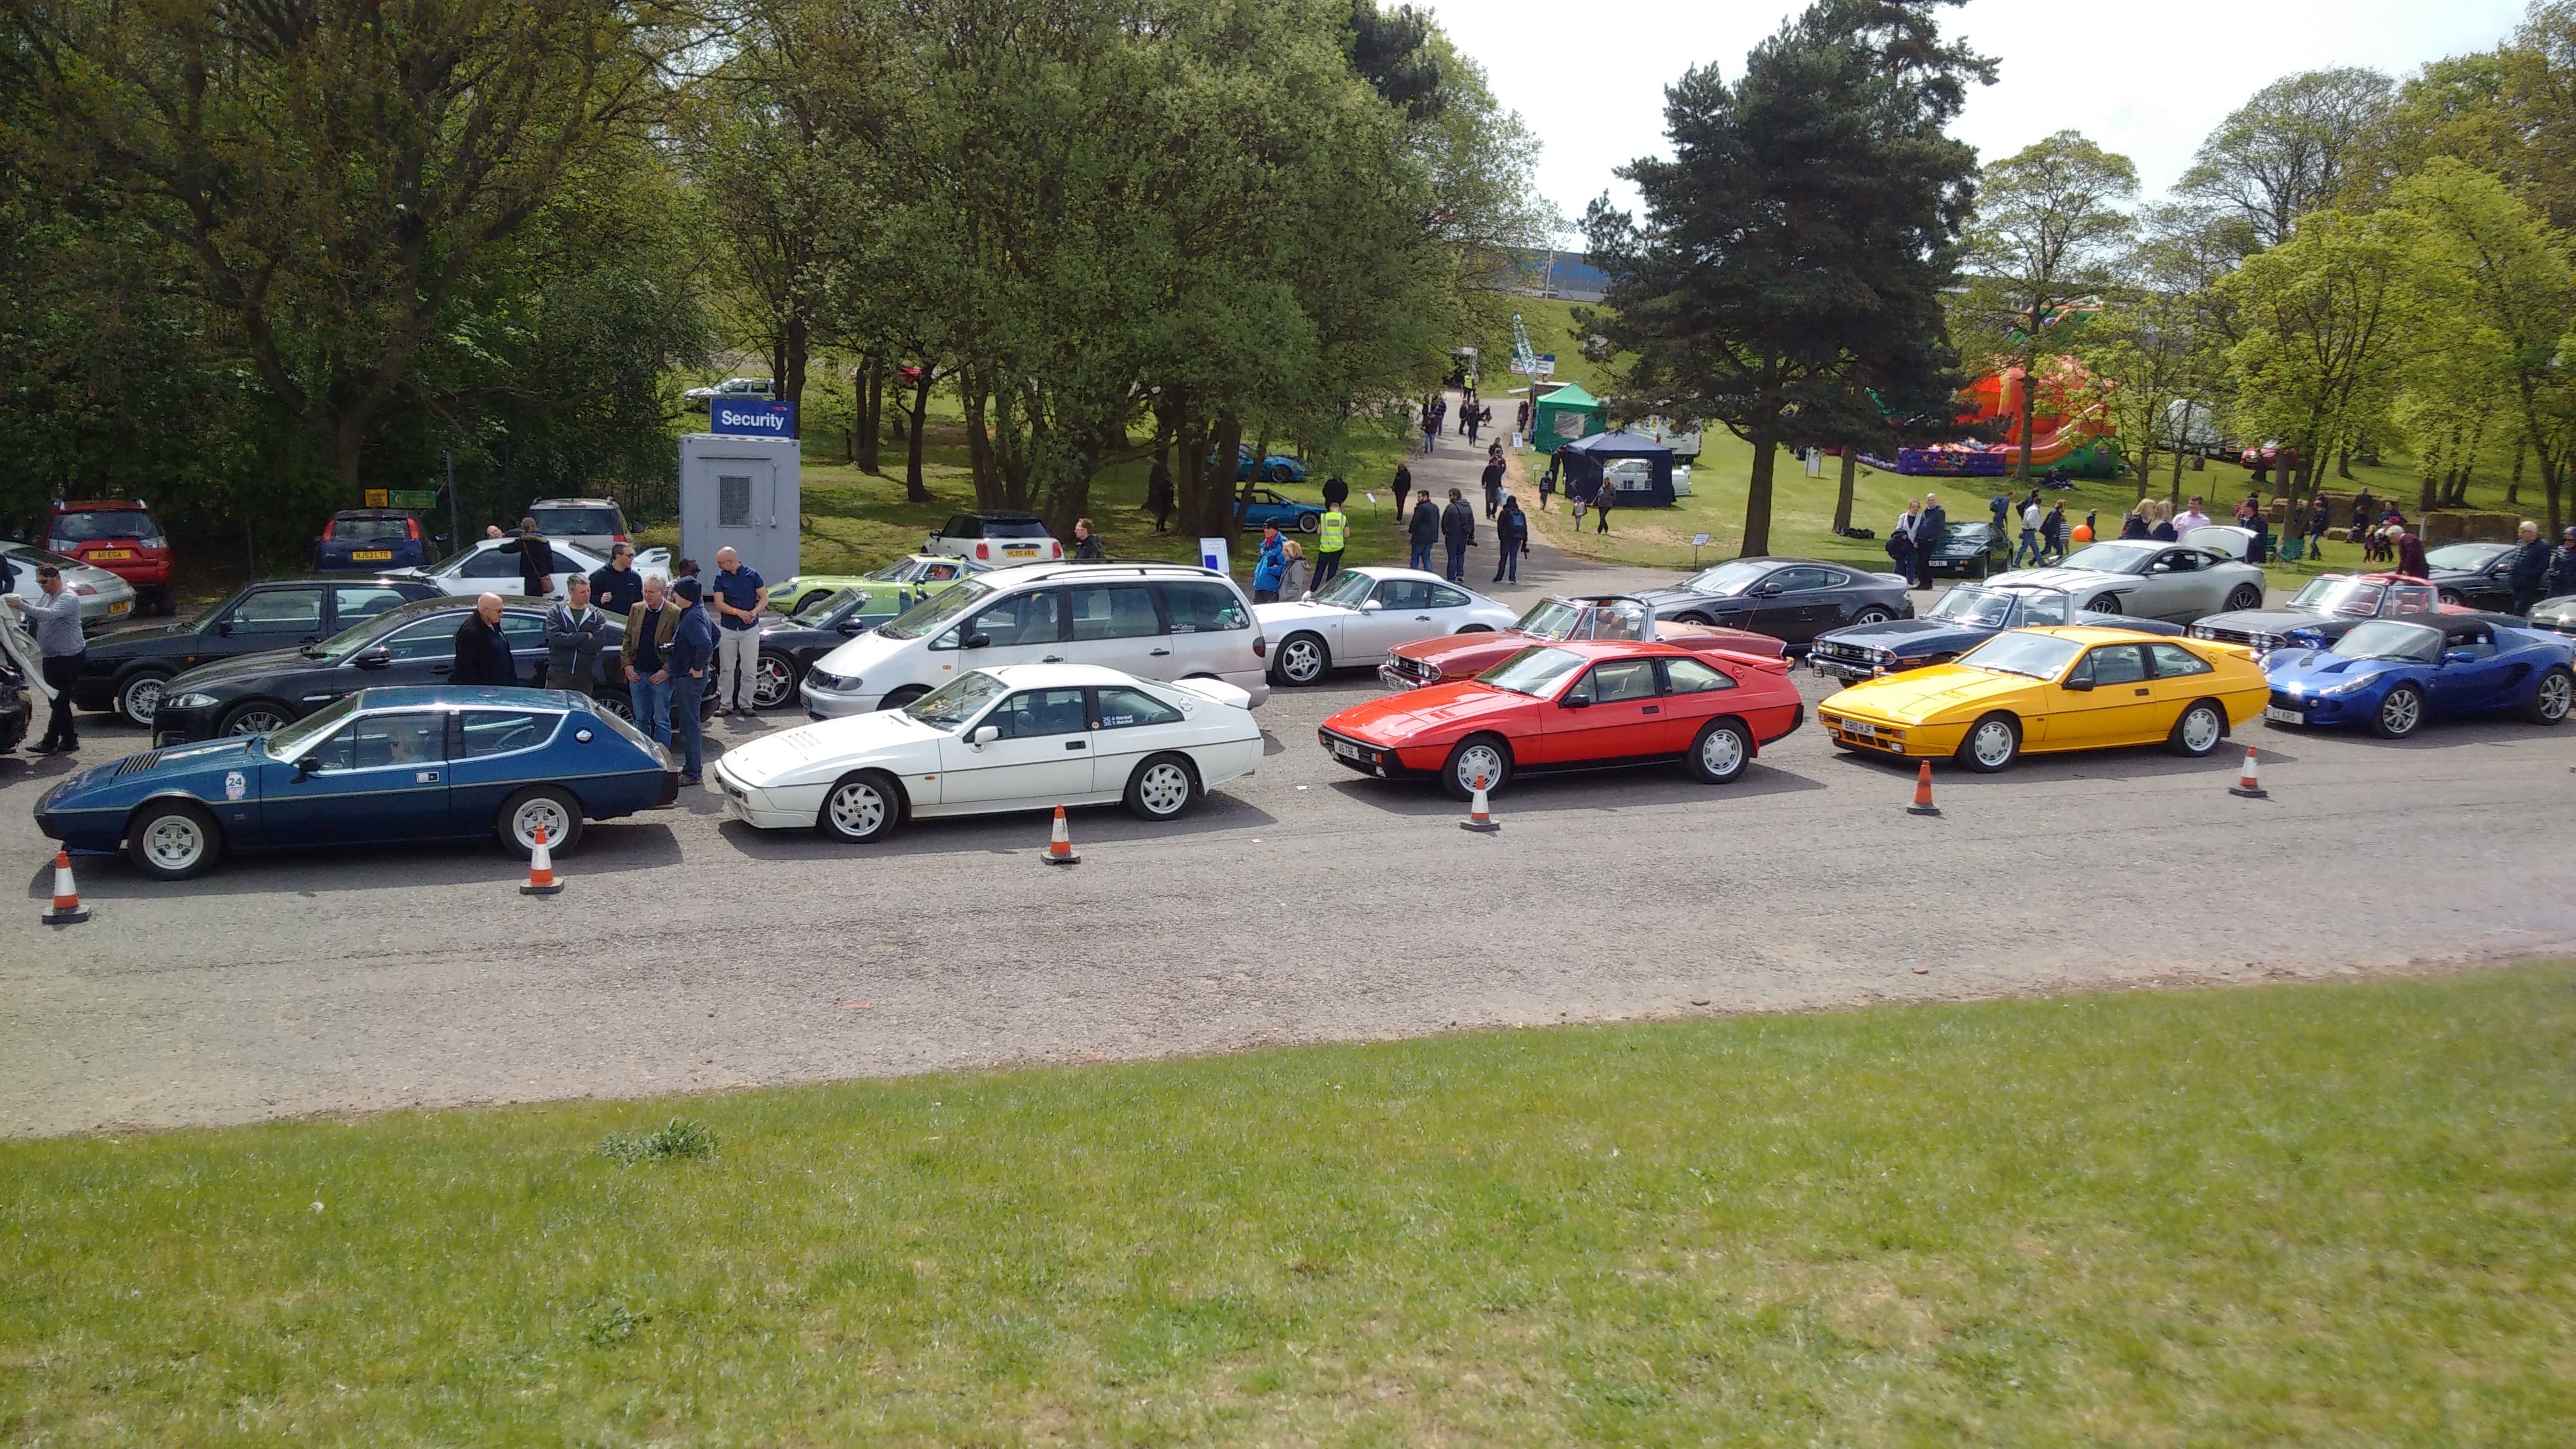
x,y
1155,621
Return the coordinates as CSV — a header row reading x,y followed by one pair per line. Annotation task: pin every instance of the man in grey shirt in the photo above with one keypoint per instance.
x,y
53,616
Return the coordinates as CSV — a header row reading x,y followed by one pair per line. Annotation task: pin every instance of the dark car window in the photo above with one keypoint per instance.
x,y
1203,608
383,741
1035,712
1029,618
1622,680
962,525
2471,638
578,520
1404,593
2174,661
363,529
365,601
491,563
2182,560
1792,580
1014,528
431,638
278,611
105,523
1445,597
1124,611
1125,708
526,632
2113,664
499,731
1690,676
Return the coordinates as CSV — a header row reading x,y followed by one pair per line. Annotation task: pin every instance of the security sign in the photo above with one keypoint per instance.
x,y
756,417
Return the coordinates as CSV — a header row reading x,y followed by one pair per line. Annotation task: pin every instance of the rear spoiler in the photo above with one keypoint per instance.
x,y
1217,690
1776,663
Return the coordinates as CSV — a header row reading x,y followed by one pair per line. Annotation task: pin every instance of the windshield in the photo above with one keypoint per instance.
x,y
1728,579
1549,619
2465,555
2041,656
290,743
2351,598
1536,670
957,701
2387,639
1347,589
901,571
2113,558
938,611
1984,608
369,530
348,641
38,555
457,558
820,612
601,521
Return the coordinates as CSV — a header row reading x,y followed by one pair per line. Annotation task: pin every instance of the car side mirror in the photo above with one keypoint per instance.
x,y
1371,607
309,765
1576,700
853,625
978,641
377,658
2161,568
1767,590
225,628
984,735
2458,656
2079,685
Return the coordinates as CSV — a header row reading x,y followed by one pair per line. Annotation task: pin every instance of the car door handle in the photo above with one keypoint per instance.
x,y
1052,659
440,668
1159,653
1077,744
1652,709
424,777
2141,691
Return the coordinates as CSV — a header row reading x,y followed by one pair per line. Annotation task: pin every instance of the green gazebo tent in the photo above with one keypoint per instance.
x,y
1563,416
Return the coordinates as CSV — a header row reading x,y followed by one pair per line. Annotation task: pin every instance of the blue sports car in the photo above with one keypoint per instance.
x,y
380,767
1258,507
2393,674
1269,468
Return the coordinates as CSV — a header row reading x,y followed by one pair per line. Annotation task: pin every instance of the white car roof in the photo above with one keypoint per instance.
x,y
1060,676
1057,570
1385,571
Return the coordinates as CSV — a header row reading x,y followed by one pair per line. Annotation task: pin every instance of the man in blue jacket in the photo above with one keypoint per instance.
x,y
693,648
1267,569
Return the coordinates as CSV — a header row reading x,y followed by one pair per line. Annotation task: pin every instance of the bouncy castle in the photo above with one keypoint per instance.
x,y
2069,425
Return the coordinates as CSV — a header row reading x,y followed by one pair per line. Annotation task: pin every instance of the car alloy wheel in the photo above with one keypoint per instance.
x,y
2556,694
1310,522
859,809
1481,757
2104,604
1693,618
1872,615
2400,711
1719,755
1992,744
2199,730
1303,659
522,813
140,699
255,719
772,681
173,840
1160,789
2244,596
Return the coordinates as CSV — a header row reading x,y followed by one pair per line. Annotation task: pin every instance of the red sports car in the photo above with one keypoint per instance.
x,y
1574,706
1554,620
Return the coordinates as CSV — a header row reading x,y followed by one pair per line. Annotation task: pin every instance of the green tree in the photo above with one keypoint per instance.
x,y
2291,149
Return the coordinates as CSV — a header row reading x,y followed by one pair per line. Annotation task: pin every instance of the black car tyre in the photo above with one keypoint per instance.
x,y
140,696
808,599
1310,522
173,839
254,717
1694,617
2244,596
2451,596
1721,752
861,808
2104,604
2199,730
618,702
1484,757
1302,659
901,697
1162,788
1991,744
773,681
2401,710
551,806
2552,697
1871,615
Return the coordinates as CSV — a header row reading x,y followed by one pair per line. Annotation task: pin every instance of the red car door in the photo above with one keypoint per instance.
x,y
1616,710
1694,691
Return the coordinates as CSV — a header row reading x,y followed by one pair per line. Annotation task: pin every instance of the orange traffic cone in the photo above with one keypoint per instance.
x,y
541,869
67,907
1060,847
1480,815
1923,793
2246,785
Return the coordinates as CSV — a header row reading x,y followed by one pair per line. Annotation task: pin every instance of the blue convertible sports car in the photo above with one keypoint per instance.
x,y
382,766
2393,674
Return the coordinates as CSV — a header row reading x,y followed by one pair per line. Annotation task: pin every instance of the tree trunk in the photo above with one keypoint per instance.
x,y
868,393
1843,491
787,363
2343,464
2173,494
914,489
2429,477
1757,496
2029,408
979,444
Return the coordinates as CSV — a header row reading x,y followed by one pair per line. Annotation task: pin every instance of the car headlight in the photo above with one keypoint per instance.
x,y
825,680
1887,659
2203,631
191,700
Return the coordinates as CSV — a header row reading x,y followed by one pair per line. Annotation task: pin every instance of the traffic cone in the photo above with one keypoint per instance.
x,y
541,869
1060,847
1923,793
1480,816
2246,786
67,907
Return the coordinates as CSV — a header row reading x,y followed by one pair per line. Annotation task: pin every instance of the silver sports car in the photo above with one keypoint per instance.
x,y
2148,580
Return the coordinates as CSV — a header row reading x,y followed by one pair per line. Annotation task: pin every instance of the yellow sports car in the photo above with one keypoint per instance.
x,y
2054,689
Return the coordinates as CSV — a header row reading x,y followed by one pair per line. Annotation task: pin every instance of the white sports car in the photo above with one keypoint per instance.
x,y
2150,580
1013,737
1363,614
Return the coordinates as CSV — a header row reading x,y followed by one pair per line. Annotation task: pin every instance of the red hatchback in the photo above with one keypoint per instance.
x,y
118,535
1575,706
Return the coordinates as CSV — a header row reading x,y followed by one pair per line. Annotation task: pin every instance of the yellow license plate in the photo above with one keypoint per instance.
x,y
120,606
113,553
1019,553
385,553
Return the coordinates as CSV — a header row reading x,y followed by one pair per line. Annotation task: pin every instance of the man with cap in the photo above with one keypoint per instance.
x,y
693,649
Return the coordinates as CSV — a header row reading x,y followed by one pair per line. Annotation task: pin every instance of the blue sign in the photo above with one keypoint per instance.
x,y
758,417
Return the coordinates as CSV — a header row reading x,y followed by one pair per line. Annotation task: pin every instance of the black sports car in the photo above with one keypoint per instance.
x,y
415,644
789,645
125,668
1790,599
2479,575
1968,550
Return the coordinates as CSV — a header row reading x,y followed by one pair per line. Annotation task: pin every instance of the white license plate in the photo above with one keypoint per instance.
x,y
1855,727
1348,752
2285,716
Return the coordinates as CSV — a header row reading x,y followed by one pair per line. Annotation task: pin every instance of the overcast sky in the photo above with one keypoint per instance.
x,y
2149,78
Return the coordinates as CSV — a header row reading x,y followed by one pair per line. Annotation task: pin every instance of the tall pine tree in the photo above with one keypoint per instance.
x,y
1787,279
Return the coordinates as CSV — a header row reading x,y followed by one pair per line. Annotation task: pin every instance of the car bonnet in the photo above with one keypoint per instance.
x,y
828,748
1396,718
1924,694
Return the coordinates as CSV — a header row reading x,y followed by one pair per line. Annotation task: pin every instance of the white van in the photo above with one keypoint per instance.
x,y
1155,621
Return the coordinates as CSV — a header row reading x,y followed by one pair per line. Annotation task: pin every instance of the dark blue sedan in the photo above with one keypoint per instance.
x,y
371,540
381,767
2394,674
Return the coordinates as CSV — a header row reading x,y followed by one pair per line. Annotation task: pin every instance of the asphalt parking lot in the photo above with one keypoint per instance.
x,y
1303,903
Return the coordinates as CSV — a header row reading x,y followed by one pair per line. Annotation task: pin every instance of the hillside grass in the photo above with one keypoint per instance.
x,y
2292,1214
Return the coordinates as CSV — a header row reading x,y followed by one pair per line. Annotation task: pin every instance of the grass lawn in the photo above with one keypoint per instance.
x,y
2309,1214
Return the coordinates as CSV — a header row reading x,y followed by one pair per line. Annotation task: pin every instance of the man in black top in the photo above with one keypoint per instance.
x,y
1493,479
482,651
536,560
1931,528
1458,530
617,587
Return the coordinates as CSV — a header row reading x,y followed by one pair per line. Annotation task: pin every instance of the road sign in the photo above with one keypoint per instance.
x,y
757,417
376,498
1699,540
411,498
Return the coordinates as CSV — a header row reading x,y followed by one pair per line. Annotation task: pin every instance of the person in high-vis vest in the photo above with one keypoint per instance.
x,y
1335,533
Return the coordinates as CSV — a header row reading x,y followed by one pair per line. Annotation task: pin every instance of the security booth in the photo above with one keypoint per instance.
x,y
741,491
1563,416
1638,467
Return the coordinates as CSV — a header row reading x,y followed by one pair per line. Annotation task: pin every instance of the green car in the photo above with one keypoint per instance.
x,y
890,590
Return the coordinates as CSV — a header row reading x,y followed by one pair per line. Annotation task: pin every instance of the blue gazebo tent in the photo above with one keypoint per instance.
x,y
1586,458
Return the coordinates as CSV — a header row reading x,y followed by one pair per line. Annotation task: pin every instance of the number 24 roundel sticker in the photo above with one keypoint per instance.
x,y
235,786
